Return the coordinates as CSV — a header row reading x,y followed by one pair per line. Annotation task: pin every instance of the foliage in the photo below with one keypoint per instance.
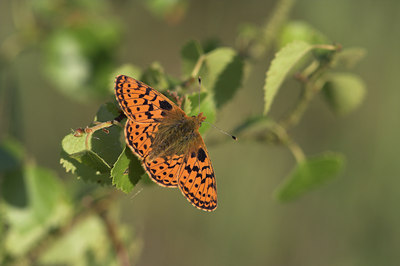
x,y
37,209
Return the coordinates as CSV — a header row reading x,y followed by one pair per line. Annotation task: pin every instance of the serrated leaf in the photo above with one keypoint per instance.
x,y
190,54
224,74
283,62
344,92
83,171
107,146
207,107
127,171
91,158
310,174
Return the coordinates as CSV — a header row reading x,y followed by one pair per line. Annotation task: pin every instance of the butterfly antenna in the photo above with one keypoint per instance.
x,y
199,79
140,190
222,131
214,126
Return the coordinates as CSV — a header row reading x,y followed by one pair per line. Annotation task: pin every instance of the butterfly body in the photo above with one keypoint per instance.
x,y
167,141
176,135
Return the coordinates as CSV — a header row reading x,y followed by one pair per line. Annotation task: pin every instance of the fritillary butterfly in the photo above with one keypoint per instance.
x,y
167,141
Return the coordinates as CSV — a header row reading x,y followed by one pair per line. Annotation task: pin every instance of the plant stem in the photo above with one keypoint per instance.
x,y
312,85
118,245
284,138
197,67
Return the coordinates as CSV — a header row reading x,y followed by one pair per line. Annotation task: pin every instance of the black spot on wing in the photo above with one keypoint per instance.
x,y
201,155
165,105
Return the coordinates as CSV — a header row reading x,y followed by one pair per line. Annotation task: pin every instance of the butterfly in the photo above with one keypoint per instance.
x,y
167,142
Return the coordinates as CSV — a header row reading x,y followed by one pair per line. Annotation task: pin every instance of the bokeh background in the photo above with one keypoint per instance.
x,y
354,220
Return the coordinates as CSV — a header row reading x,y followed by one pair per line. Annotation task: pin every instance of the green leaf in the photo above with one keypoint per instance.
x,y
190,54
172,10
224,74
89,236
207,107
78,58
309,174
300,31
91,157
108,145
45,206
210,44
155,77
11,154
283,62
344,92
85,172
127,171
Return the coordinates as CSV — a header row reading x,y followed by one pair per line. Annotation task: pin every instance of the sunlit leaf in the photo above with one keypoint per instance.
x,y
283,62
91,157
310,174
78,59
224,74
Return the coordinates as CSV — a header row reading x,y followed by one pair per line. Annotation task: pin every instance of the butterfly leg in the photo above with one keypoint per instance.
x,y
178,99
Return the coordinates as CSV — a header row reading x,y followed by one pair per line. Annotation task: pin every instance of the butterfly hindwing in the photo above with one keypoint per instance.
x,y
139,137
164,171
196,179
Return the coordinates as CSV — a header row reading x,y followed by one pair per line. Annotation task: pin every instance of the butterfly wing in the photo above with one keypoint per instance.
x,y
139,137
164,171
146,109
196,178
142,103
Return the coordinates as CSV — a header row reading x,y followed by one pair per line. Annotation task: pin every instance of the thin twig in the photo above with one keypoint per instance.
x,y
119,247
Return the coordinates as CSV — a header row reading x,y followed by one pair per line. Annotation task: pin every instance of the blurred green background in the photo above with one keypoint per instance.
x,y
353,220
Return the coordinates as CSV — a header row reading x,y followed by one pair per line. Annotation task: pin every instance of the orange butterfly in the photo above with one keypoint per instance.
x,y
167,141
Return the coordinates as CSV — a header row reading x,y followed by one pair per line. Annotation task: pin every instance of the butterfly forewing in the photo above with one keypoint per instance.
x,y
190,169
140,102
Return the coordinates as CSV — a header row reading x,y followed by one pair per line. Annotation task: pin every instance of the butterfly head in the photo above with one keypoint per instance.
x,y
199,119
